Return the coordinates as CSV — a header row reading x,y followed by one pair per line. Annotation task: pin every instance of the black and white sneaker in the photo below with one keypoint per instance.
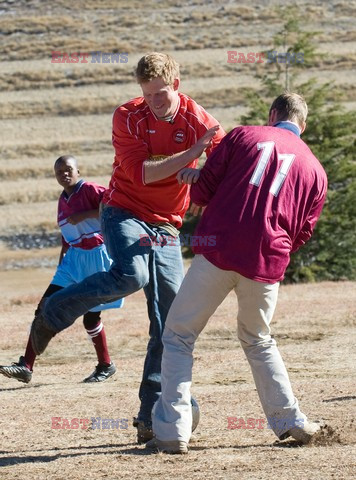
x,y
101,373
18,370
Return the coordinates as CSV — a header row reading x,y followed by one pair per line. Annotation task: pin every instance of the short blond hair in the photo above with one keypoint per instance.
x,y
290,106
155,64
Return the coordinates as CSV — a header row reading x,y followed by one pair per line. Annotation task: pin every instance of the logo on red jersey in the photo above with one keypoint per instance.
x,y
179,136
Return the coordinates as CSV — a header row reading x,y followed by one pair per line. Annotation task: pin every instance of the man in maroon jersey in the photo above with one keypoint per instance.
x,y
263,190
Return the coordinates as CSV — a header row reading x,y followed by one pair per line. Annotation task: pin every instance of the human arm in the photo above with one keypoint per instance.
x,y
160,169
188,175
211,174
80,216
307,230
132,141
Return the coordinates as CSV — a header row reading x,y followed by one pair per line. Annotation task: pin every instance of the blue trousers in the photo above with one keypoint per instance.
x,y
138,262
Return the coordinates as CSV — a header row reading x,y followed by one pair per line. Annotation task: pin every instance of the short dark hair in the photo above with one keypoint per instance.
x,y
64,158
290,106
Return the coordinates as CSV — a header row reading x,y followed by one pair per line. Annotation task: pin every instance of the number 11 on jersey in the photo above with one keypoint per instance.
x,y
285,158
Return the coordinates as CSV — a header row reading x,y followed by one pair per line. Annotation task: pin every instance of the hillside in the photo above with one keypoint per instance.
x,y
48,109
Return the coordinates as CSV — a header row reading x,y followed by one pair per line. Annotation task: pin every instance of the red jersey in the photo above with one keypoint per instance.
x,y
264,190
85,234
138,135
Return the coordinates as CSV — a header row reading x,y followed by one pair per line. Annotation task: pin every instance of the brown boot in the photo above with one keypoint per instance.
x,y
144,432
41,334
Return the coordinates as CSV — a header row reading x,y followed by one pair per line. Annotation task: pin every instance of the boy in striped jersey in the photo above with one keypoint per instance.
x,y
83,253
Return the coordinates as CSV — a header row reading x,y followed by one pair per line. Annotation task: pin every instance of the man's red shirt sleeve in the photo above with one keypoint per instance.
x,y
130,150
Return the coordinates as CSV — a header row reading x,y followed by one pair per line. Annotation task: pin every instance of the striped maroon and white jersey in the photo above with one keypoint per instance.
x,y
86,234
264,190
138,135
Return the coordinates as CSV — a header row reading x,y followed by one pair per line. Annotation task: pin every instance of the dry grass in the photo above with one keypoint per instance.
x,y
61,107
27,217
198,25
93,165
11,261
60,77
51,109
53,149
36,191
314,323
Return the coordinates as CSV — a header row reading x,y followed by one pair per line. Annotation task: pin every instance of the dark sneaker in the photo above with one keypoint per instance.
x,y
18,371
144,432
168,446
41,334
101,373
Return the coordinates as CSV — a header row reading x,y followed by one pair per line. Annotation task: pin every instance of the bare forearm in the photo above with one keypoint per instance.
x,y
160,169
155,170
79,217
91,213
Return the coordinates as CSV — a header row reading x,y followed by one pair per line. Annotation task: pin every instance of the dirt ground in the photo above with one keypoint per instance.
x,y
49,109
313,325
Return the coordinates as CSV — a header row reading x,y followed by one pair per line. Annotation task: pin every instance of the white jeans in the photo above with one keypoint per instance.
x,y
203,290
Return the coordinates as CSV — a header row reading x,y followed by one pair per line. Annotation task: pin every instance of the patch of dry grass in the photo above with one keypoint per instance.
x,y
197,26
35,191
62,107
28,217
94,165
52,149
37,24
60,77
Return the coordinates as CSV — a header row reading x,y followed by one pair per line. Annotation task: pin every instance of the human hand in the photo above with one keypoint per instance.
x,y
75,218
205,141
195,209
188,175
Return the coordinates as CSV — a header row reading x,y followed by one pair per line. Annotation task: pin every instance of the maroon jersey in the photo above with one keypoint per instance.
x,y
264,190
87,233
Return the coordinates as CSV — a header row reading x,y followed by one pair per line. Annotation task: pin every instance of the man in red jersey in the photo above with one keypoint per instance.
x,y
263,190
154,137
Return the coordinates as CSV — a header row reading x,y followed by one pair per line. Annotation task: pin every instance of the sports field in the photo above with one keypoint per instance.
x,y
49,109
314,327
